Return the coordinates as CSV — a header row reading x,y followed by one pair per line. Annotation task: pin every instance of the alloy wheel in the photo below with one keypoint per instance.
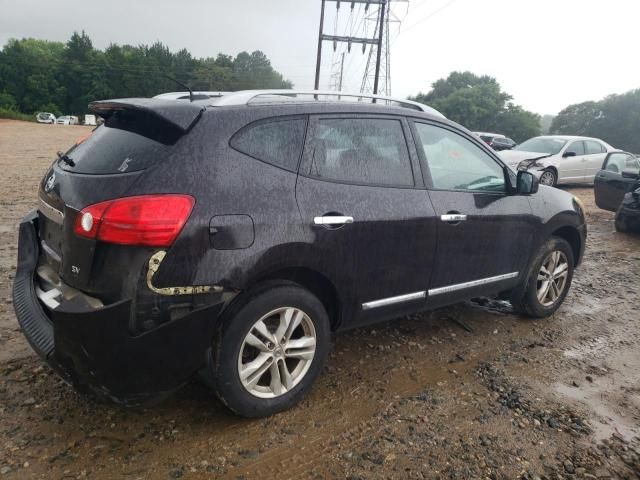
x,y
547,178
552,278
277,352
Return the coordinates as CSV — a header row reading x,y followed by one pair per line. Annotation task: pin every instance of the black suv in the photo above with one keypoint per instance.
x,y
231,237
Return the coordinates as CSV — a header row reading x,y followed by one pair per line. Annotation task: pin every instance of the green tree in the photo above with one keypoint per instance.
x,y
616,120
80,68
29,73
575,119
37,75
478,103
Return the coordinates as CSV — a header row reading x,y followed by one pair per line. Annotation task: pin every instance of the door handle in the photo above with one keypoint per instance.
x,y
453,217
332,220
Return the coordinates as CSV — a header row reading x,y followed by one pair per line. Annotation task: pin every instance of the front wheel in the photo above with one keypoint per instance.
x,y
549,279
272,346
549,178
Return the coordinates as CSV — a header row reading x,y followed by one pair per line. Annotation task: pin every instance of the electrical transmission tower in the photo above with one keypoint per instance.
x,y
337,73
351,38
377,73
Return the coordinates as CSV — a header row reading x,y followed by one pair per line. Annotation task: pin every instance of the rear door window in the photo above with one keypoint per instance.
x,y
593,147
277,142
361,150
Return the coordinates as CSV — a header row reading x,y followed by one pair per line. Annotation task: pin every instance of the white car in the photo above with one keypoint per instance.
x,y
558,159
46,117
67,120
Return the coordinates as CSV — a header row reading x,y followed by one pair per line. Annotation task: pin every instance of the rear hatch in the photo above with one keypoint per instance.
x,y
137,134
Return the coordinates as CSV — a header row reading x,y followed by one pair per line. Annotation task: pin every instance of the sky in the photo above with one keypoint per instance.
x,y
546,53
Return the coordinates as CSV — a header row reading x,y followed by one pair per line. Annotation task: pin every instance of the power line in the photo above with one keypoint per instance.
x,y
432,14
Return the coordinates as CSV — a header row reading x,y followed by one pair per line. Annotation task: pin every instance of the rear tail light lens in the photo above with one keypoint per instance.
x,y
149,220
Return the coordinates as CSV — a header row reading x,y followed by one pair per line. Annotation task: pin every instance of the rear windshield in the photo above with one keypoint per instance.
x,y
120,147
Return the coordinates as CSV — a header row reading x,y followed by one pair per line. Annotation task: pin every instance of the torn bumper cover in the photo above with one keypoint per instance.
x,y
92,348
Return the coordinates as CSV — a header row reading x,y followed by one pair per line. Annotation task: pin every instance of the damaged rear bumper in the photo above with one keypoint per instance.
x,y
90,345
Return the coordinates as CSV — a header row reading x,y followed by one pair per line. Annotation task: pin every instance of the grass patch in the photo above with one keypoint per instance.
x,y
13,115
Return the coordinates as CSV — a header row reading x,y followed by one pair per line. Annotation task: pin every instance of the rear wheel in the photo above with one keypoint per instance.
x,y
549,279
549,178
272,347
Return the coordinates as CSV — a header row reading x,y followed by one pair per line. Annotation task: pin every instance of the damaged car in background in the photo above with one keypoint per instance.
x,y
559,159
232,236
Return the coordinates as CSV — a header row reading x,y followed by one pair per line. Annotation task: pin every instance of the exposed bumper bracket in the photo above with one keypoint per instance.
x,y
154,265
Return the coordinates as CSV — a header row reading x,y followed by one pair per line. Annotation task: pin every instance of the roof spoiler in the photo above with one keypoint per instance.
x,y
181,115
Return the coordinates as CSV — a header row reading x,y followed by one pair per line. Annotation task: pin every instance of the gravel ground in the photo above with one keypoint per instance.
x,y
471,391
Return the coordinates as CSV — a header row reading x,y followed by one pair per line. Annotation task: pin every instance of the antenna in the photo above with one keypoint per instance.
x,y
182,85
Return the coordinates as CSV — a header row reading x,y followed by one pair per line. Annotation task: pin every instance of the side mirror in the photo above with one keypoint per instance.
x,y
568,154
526,183
632,174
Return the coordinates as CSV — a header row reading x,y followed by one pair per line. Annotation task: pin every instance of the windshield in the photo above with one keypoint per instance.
x,y
549,146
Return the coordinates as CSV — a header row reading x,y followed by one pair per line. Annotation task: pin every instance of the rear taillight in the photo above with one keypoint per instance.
x,y
150,220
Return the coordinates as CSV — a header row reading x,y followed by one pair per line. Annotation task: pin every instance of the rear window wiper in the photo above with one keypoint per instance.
x,y
66,159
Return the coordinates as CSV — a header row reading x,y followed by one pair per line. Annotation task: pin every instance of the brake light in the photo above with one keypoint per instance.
x,y
149,220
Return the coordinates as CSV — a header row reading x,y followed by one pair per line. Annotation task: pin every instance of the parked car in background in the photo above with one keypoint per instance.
x,y
45,117
187,96
496,141
617,189
90,120
557,159
67,120
233,236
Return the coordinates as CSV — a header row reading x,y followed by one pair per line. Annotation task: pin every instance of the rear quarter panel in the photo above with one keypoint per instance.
x,y
226,182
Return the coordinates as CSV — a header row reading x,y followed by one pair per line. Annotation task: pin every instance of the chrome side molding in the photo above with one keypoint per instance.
x,y
474,283
383,302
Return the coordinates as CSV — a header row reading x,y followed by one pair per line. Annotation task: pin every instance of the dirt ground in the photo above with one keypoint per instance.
x,y
471,391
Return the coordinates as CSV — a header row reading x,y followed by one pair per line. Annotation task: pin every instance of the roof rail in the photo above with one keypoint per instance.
x,y
247,97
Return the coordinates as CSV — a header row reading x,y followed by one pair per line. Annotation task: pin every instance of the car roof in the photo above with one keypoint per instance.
x,y
185,95
320,107
289,96
569,137
489,134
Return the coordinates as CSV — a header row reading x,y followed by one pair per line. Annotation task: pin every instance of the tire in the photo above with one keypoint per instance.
x,y
549,177
621,222
235,349
625,223
531,303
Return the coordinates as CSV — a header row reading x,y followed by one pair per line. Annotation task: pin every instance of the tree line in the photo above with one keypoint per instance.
x,y
480,104
62,78
615,119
